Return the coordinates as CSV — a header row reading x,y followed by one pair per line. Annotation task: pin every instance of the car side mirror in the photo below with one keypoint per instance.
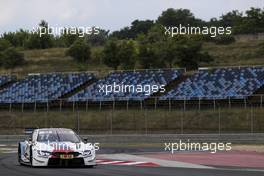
x,y
85,140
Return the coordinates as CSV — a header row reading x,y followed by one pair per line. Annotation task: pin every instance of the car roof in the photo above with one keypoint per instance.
x,y
53,129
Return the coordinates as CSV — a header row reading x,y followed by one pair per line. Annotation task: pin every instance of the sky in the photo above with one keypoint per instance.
x,y
106,14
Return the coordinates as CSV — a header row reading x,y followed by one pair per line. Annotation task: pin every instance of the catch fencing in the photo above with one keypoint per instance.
x,y
151,116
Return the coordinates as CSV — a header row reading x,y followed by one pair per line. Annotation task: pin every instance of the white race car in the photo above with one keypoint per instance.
x,y
56,147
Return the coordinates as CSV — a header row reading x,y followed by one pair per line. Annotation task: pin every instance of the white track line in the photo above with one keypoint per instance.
x,y
119,162
110,162
135,163
160,162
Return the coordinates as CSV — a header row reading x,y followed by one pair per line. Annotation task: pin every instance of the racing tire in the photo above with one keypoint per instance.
x,y
19,154
31,156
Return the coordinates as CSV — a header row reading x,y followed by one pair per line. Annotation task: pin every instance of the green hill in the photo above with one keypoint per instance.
x,y
237,54
54,60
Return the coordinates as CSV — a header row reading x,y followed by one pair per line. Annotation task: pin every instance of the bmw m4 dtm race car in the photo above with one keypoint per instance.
x,y
56,147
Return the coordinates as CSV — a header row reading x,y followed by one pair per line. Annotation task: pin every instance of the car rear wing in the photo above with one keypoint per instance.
x,y
29,131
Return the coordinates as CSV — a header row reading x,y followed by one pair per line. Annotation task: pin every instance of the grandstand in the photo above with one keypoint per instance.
x,y
208,100
206,84
5,79
146,77
43,87
219,83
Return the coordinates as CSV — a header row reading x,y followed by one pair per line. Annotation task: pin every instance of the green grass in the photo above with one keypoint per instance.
x,y
137,121
54,60
236,54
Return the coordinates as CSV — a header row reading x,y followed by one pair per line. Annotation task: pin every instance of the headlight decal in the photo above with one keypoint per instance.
x,y
43,153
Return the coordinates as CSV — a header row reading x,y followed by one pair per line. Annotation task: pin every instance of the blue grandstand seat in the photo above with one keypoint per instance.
x,y
43,87
220,83
6,79
134,78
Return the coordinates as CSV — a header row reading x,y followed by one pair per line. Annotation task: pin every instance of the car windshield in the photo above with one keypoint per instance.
x,y
68,136
58,135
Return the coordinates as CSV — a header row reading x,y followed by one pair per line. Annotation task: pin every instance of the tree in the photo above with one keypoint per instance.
x,y
110,54
11,58
37,41
255,20
80,51
98,39
127,54
4,44
167,51
67,39
120,53
147,57
249,23
137,27
140,27
189,55
33,42
18,38
157,50
232,18
175,17
122,34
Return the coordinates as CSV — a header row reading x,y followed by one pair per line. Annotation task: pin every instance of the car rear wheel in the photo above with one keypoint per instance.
x,y
30,156
19,154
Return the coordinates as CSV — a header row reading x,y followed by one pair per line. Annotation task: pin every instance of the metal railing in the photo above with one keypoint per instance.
x,y
138,117
195,103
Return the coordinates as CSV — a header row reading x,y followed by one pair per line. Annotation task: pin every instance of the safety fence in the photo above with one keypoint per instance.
x,y
151,116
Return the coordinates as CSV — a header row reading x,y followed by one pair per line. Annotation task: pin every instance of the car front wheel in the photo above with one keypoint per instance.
x,y
19,154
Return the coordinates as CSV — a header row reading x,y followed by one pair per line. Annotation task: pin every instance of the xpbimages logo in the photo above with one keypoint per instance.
x,y
81,31
124,88
212,31
211,147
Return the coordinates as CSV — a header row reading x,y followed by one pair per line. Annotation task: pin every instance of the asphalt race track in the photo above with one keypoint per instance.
x,y
9,166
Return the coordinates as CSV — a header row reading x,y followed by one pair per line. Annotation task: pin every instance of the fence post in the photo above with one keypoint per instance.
x,y
155,103
78,122
245,102
10,106
100,105
113,105
22,106
261,100
111,122
184,105
251,121
35,106
60,104
169,104
46,119
141,106
182,117
219,121
73,106
127,105
229,102
199,105
86,105
47,105
214,104
146,122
